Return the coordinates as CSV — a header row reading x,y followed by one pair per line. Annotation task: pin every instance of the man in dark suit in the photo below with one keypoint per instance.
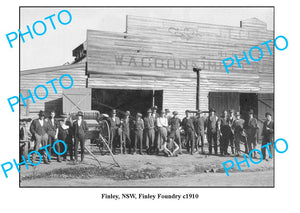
x,y
115,131
239,134
199,124
149,132
53,133
65,134
138,131
175,124
125,139
252,130
212,131
225,133
39,128
80,129
268,135
189,129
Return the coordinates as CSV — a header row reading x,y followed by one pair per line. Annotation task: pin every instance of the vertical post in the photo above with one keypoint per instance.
x,y
197,70
153,98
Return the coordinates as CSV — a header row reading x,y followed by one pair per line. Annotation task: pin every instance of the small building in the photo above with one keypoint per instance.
x,y
153,63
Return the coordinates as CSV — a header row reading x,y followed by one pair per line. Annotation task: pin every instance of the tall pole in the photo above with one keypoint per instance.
x,y
197,70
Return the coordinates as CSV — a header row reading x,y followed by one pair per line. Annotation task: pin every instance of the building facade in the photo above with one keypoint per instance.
x,y
153,63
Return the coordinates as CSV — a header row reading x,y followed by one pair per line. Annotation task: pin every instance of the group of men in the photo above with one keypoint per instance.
x,y
45,131
162,132
156,133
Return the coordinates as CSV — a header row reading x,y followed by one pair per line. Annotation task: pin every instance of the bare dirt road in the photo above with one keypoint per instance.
x,y
148,170
242,179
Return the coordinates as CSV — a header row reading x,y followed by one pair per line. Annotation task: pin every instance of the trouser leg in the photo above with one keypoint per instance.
x,y
76,148
82,144
178,139
112,139
209,139
141,141
215,139
226,142
37,144
202,142
135,142
192,141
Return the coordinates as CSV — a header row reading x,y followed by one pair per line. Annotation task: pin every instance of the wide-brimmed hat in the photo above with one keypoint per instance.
x,y
114,111
80,113
138,114
63,115
187,110
199,112
41,113
212,110
154,108
268,113
251,111
161,112
167,110
127,113
237,114
149,111
175,113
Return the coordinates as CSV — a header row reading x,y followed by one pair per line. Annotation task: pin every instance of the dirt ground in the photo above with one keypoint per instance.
x,y
148,170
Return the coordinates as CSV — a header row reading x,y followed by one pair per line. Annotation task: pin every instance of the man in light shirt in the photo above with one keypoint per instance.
x,y
162,125
53,133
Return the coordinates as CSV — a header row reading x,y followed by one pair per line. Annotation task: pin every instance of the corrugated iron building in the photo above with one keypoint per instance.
x,y
152,64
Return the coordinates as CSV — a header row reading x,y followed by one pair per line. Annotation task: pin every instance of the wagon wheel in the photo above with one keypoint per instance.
x,y
105,133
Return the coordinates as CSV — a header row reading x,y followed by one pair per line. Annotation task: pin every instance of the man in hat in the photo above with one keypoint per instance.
x,y
115,131
225,133
154,112
149,132
155,115
138,133
252,131
125,136
268,134
199,124
175,124
189,129
162,125
239,135
168,115
230,120
80,128
65,134
53,133
211,122
39,128
25,136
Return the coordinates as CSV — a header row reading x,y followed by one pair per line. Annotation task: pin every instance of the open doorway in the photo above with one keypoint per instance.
x,y
248,101
133,100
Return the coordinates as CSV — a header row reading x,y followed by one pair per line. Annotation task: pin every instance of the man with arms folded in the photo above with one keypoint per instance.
x,y
39,128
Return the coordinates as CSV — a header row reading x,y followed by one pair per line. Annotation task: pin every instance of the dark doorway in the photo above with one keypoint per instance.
x,y
133,100
224,101
248,101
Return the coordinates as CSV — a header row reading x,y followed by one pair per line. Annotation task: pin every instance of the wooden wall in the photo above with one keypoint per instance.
x,y
31,78
160,54
208,45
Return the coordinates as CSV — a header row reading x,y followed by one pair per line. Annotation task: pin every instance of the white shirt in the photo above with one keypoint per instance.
x,y
162,122
79,122
41,122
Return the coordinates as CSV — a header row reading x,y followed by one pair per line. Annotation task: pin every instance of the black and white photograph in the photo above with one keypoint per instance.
x,y
147,97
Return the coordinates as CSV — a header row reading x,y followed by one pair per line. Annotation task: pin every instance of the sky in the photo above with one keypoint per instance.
x,y
54,48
